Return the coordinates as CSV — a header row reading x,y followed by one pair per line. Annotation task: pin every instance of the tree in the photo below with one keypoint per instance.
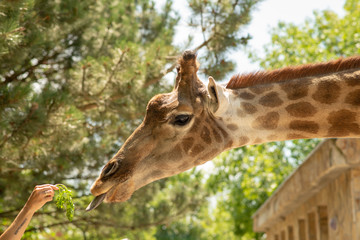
x,y
246,177
322,38
75,77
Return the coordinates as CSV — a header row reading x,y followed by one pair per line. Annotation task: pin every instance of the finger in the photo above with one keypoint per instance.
x,y
43,188
45,185
49,186
54,187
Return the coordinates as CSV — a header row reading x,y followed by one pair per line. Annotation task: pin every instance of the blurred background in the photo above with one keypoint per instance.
x,y
75,78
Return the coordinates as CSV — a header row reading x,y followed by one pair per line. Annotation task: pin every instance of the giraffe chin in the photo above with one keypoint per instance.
x,y
118,193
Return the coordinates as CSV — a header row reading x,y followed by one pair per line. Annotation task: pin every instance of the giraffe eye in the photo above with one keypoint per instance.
x,y
182,119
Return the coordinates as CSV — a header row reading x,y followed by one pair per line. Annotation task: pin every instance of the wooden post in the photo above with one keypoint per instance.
x,y
312,226
355,195
283,235
302,229
323,223
290,233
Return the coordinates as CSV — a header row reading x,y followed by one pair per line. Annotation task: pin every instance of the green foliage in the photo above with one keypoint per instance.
x,y
63,200
75,78
321,38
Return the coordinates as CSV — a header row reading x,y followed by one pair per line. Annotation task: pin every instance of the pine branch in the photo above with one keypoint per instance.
x,y
87,106
30,69
83,79
171,68
158,78
33,108
121,58
234,4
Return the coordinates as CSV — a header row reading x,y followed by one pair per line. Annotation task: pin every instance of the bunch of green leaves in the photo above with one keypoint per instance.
x,y
63,200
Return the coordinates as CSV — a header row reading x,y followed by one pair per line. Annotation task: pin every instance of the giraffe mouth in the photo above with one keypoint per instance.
x,y
117,193
96,202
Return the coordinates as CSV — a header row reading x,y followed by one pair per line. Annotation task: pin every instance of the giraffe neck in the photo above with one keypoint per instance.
x,y
323,106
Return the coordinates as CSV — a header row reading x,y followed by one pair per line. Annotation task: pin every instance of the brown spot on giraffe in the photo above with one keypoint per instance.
x,y
232,127
301,109
187,144
304,126
296,89
353,79
271,100
217,135
246,95
260,89
268,121
205,135
343,123
248,108
327,92
198,148
353,98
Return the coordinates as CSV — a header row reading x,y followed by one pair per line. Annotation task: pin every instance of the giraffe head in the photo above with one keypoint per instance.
x,y
180,130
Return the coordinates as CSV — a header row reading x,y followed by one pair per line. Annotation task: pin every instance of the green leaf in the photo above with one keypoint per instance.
x,y
63,200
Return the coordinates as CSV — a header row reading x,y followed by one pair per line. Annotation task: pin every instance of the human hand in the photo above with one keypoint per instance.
x,y
40,195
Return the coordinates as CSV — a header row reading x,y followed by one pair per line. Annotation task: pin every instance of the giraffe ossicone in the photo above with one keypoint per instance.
x,y
194,123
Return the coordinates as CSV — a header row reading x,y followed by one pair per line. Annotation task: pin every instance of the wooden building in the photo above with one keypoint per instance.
x,y
320,200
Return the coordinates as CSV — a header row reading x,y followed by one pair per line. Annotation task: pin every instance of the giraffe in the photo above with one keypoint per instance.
x,y
194,123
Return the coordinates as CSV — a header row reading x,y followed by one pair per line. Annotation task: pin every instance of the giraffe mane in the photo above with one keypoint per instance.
x,y
293,72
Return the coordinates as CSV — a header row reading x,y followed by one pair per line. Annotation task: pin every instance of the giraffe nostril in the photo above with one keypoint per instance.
x,y
109,169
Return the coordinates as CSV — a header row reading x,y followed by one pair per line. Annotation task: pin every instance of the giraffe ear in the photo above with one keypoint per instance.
x,y
217,98
213,93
